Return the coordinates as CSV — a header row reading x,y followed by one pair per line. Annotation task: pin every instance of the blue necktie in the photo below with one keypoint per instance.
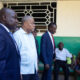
x,y
12,36
14,41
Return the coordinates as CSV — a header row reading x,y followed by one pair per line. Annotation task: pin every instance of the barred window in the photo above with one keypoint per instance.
x,y
43,12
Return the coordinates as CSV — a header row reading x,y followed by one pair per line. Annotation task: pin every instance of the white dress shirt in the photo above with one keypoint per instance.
x,y
62,54
9,34
51,40
28,52
5,27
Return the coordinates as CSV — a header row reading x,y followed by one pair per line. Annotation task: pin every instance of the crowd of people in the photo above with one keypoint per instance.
x,y
19,55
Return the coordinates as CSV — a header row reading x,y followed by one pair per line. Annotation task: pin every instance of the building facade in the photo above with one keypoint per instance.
x,y
65,13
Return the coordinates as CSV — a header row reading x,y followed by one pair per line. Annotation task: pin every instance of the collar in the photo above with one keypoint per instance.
x,y
49,33
5,27
23,31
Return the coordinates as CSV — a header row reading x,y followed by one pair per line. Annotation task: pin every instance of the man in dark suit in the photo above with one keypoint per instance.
x,y
36,41
47,51
9,54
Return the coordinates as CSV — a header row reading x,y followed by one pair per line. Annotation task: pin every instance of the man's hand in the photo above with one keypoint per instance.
x,y
46,66
54,59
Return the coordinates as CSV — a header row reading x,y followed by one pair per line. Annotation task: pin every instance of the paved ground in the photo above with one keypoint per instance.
x,y
61,77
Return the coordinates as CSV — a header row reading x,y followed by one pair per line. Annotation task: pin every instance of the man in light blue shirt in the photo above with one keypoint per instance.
x,y
27,47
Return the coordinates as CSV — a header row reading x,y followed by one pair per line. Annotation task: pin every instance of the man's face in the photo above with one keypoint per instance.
x,y
34,33
53,29
29,25
11,20
61,46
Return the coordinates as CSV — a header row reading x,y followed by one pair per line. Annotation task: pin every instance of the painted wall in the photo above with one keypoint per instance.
x,y
68,25
68,18
1,5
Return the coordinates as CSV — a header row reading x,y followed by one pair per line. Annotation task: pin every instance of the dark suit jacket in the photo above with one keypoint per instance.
x,y
37,48
46,54
9,57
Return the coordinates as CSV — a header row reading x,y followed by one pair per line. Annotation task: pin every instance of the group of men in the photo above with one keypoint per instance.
x,y
18,54
18,51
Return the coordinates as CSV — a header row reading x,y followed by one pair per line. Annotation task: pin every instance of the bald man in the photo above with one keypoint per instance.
x,y
9,54
27,46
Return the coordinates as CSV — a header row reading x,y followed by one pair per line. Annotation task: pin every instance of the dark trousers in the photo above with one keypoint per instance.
x,y
64,66
47,74
30,77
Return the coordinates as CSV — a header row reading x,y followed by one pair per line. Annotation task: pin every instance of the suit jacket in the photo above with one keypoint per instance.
x,y
47,49
37,48
9,57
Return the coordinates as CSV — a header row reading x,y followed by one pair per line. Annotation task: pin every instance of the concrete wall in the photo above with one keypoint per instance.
x,y
1,5
68,25
68,18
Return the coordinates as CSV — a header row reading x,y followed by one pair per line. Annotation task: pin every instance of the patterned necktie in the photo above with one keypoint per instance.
x,y
53,40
